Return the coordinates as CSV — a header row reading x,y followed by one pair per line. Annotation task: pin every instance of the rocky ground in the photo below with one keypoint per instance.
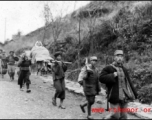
x,y
16,104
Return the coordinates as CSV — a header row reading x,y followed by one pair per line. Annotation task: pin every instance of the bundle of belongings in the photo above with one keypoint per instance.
x,y
40,53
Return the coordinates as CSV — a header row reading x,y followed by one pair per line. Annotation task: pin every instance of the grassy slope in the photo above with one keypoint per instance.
x,y
69,26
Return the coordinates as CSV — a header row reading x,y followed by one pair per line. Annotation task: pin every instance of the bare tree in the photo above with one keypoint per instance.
x,y
54,22
90,18
91,24
47,20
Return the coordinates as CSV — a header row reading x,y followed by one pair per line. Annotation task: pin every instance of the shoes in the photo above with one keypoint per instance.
x,y
90,117
82,108
53,102
21,89
62,107
28,91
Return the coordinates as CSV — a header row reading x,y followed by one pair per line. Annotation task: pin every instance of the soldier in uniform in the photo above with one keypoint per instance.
x,y
58,73
119,86
88,78
11,59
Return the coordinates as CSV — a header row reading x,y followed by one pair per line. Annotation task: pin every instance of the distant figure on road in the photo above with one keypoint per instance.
x,y
11,59
3,64
88,78
58,73
119,86
25,72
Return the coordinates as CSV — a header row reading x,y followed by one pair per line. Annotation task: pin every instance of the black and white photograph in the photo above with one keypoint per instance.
x,y
76,60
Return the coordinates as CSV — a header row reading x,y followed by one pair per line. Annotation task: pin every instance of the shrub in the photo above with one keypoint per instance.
x,y
144,94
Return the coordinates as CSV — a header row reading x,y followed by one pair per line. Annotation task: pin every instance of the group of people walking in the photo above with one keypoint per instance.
x,y
8,62
120,89
24,68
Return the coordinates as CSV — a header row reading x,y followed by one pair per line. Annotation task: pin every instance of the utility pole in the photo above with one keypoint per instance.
x,y
5,31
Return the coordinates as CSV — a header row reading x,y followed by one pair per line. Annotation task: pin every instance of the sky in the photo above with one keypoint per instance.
x,y
27,16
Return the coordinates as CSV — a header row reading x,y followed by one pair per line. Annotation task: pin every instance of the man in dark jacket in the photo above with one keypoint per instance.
x,y
119,86
11,59
58,73
88,78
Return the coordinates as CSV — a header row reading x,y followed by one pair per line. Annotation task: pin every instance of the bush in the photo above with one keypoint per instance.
x,y
73,75
144,94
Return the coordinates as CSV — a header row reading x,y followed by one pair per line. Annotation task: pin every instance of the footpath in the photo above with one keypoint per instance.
x,y
143,111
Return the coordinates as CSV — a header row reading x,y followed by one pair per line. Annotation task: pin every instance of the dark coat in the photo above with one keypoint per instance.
x,y
24,75
11,60
90,80
107,77
58,70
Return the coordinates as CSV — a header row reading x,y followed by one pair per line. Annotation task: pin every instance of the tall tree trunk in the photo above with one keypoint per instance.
x,y
79,45
55,45
91,50
43,40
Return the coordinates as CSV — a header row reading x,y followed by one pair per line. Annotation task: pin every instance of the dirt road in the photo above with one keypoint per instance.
x,y
16,104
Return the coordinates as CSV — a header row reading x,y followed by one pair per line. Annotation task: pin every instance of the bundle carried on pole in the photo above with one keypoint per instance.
x,y
40,53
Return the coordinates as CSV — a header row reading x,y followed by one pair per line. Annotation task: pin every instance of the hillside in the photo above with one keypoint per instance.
x,y
29,39
104,26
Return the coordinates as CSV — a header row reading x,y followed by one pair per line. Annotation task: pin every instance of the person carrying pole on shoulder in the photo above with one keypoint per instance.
x,y
58,72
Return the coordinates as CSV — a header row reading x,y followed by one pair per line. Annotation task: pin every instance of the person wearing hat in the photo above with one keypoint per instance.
x,y
58,73
120,89
11,59
24,65
88,78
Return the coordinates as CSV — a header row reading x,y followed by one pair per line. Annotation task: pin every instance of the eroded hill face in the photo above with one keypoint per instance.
x,y
108,10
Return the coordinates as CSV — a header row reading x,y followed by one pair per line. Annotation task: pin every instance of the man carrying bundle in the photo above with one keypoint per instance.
x,y
88,78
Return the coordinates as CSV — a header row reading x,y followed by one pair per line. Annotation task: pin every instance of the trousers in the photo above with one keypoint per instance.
x,y
60,88
115,113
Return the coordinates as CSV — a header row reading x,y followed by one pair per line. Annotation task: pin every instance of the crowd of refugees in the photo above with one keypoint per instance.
x,y
120,89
